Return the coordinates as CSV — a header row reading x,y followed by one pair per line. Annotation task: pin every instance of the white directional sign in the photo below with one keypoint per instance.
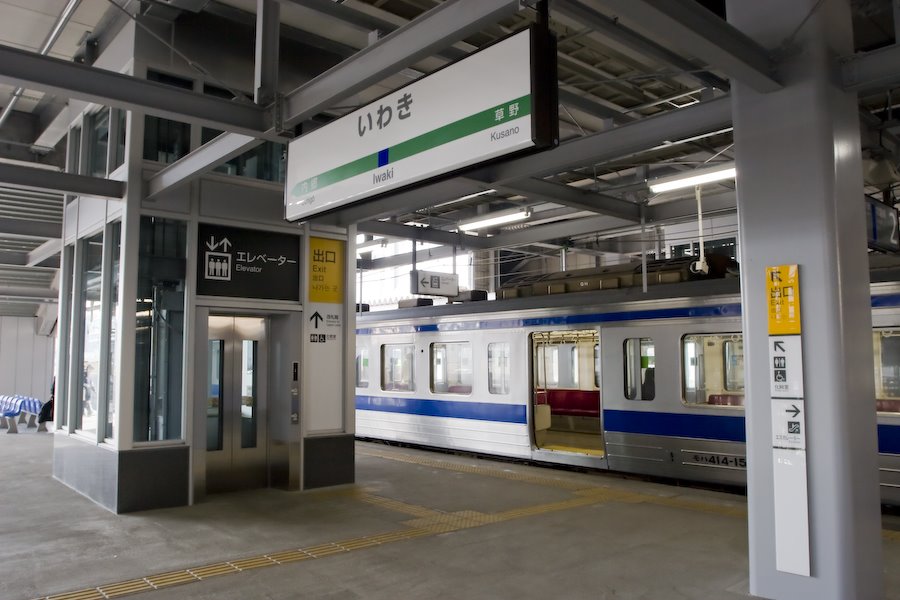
x,y
788,424
785,366
433,284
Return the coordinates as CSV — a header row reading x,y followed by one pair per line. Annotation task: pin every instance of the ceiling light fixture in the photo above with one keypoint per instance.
x,y
693,178
500,217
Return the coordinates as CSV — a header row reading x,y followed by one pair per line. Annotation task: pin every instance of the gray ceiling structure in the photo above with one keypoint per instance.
x,y
643,93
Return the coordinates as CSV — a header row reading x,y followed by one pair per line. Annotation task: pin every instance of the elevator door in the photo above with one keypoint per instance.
x,y
236,412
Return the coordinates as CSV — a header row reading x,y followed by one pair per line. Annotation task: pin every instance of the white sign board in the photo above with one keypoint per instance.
x,y
479,108
791,511
433,284
785,366
788,424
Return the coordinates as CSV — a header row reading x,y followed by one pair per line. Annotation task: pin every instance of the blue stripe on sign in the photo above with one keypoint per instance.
x,y
383,157
676,425
889,439
455,409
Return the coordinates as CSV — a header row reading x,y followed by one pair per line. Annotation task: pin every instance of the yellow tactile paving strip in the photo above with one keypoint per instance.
x,y
427,522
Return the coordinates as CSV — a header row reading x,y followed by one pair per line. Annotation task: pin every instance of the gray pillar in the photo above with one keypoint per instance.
x,y
799,189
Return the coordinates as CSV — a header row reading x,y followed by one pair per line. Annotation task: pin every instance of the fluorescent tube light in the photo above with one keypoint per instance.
x,y
693,178
497,218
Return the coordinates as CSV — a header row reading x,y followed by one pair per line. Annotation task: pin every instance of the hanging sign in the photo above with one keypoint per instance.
x,y
246,263
495,102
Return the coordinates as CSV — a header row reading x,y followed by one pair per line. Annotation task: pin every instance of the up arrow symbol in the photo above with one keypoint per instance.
x,y
316,318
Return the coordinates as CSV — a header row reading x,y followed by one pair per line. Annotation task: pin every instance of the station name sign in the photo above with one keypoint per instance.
x,y
495,102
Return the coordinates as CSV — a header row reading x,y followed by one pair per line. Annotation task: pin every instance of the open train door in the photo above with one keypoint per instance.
x,y
565,392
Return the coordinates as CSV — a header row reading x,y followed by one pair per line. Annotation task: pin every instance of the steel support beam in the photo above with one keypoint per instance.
x,y
16,259
28,293
538,189
669,127
612,29
206,157
345,13
562,229
30,229
872,71
48,249
268,36
43,179
423,234
69,79
432,31
400,260
687,26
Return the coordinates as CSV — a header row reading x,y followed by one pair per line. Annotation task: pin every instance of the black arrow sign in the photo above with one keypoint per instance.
x,y
793,411
424,282
316,318
779,346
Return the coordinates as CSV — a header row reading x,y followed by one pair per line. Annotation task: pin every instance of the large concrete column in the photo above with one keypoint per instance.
x,y
799,187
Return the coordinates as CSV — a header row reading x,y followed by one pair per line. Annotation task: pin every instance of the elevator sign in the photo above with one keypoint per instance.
x,y
246,263
783,299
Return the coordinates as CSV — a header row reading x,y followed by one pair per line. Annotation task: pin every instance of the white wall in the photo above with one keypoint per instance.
x,y
26,359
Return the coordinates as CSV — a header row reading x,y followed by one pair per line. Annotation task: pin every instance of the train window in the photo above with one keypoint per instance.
x,y
564,359
451,368
498,368
887,369
362,367
640,369
397,367
713,369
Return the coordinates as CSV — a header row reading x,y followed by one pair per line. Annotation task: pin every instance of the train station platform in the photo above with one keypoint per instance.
x,y
415,525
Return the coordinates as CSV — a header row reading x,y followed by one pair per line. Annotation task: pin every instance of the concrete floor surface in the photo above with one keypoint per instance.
x,y
415,525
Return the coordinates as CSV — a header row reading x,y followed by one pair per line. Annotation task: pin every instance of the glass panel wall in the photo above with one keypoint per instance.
x,y
87,312
114,245
98,142
61,390
165,141
118,158
159,335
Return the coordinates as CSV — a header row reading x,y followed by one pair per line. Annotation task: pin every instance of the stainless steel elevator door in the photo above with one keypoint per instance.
x,y
236,431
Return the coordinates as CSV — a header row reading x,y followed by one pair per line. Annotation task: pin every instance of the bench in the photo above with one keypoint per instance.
x,y
25,408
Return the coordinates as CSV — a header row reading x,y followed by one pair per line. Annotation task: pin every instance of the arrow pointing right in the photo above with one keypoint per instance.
x,y
793,411
779,346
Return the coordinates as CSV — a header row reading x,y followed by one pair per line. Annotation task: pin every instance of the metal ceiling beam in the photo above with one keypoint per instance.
x,y
44,179
30,229
45,251
69,79
871,71
27,293
614,30
562,229
538,189
268,37
669,127
205,158
402,260
687,26
686,208
432,31
422,234
18,259
346,14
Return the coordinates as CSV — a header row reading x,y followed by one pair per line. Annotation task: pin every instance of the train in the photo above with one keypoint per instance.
x,y
589,370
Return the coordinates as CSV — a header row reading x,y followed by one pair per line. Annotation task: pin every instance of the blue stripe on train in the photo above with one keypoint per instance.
x,y
455,409
889,439
710,427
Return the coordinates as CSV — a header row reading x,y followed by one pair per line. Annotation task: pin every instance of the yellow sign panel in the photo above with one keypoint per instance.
x,y
326,270
783,297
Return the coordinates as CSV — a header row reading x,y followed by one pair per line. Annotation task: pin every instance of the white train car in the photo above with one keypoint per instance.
x,y
640,383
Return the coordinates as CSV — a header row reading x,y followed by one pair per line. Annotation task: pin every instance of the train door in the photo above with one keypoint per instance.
x,y
565,391
236,429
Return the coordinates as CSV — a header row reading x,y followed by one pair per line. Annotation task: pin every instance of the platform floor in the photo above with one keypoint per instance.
x,y
415,525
